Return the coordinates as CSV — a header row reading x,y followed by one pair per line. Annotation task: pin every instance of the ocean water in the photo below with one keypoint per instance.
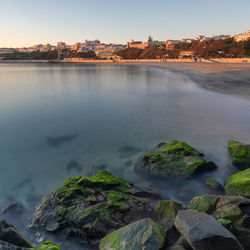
x,y
58,121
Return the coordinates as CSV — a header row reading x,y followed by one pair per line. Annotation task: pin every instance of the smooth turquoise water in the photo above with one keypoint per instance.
x,y
106,108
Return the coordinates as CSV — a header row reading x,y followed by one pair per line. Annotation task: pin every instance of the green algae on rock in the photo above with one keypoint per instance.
x,y
204,203
143,234
48,245
233,212
89,207
214,184
166,211
238,184
176,159
240,153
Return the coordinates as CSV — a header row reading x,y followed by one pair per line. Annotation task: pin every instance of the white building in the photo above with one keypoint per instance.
x,y
242,37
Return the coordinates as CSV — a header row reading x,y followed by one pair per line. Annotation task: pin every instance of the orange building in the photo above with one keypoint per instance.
x,y
137,44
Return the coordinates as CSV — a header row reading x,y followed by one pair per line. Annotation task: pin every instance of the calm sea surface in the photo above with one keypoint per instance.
x,y
58,121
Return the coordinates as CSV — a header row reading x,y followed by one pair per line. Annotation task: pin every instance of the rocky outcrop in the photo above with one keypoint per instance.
x,y
240,153
48,245
9,235
238,184
143,234
203,232
176,160
233,212
91,207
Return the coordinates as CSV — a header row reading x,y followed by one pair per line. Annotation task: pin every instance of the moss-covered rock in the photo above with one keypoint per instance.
x,y
240,153
166,211
143,234
238,184
89,207
176,159
214,184
48,245
205,204
9,235
233,212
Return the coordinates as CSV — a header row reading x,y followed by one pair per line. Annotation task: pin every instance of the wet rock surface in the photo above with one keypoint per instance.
x,y
91,207
175,160
238,184
240,153
10,235
233,212
142,234
203,232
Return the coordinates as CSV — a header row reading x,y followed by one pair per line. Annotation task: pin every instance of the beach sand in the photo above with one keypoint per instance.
x,y
200,67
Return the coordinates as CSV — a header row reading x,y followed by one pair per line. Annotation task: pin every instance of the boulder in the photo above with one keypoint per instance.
x,y
143,234
166,211
205,203
233,212
203,232
8,246
240,153
176,160
48,245
91,207
180,244
238,184
9,235
215,185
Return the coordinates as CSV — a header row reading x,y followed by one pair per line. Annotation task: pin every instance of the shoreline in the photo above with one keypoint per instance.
x,y
202,67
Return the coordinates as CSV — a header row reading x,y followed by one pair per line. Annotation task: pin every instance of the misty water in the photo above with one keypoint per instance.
x,y
58,121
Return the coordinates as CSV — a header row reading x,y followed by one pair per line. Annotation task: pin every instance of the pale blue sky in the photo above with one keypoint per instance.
x,y
28,22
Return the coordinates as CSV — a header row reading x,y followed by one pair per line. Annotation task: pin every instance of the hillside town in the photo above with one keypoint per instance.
x,y
98,50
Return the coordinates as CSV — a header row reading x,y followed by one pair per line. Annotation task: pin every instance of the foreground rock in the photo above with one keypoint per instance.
x,y
214,185
177,160
203,232
240,153
238,184
91,207
143,234
48,245
233,212
166,211
10,238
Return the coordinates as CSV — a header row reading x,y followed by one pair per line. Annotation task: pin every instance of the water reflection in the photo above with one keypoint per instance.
x,y
107,108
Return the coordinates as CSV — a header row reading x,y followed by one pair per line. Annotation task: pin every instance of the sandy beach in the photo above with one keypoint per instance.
x,y
200,67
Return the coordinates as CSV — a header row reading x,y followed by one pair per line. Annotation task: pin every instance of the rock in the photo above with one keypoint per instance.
x,y
91,207
214,184
180,244
203,232
48,245
166,211
8,246
238,184
9,234
233,212
226,223
176,160
240,153
205,204
143,234
14,208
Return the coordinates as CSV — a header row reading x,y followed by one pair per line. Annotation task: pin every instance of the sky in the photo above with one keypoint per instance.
x,y
27,22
